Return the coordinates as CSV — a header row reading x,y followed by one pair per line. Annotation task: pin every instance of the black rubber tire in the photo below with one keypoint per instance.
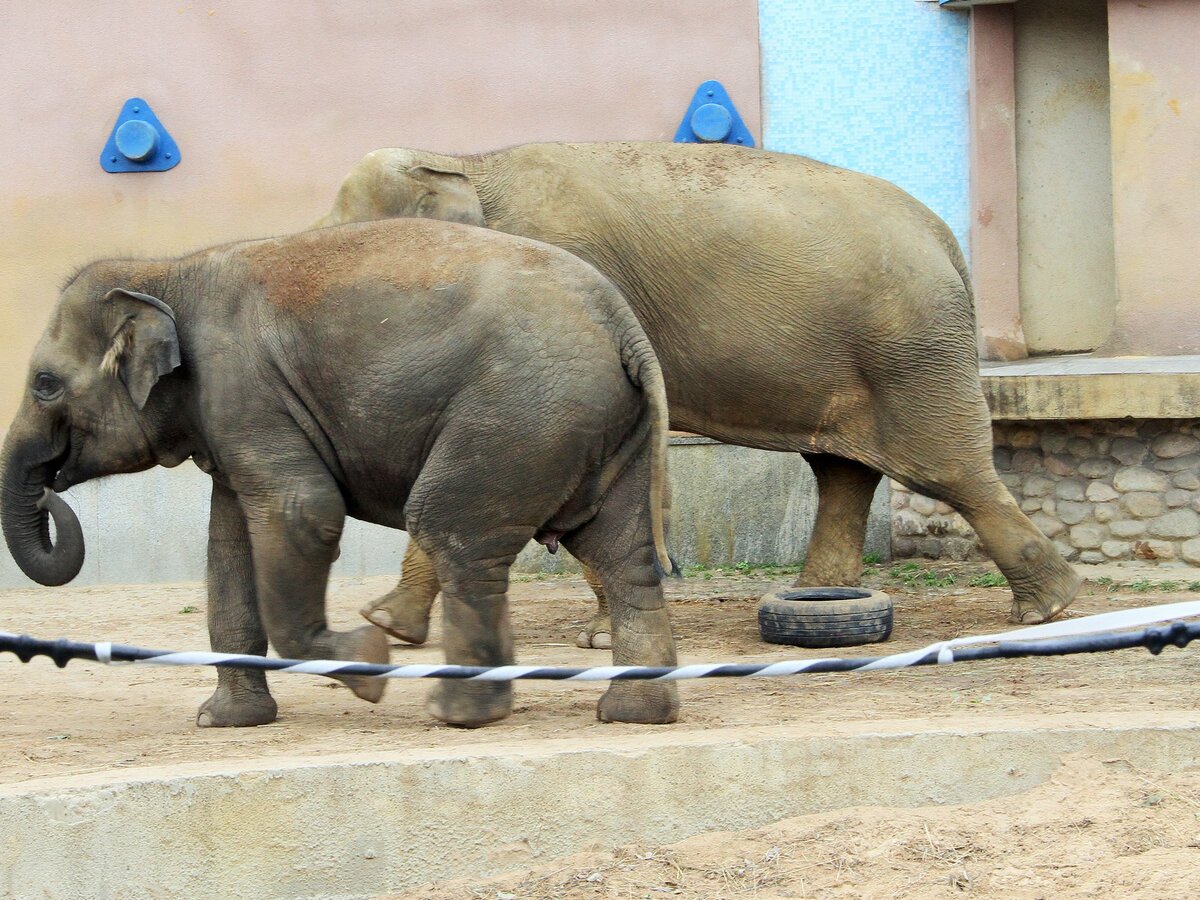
x,y
825,617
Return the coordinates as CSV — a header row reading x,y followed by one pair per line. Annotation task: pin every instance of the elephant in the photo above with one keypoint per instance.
x,y
793,306
476,389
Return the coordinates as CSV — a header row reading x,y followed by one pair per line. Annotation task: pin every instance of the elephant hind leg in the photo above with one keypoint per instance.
x,y
404,611
962,475
845,489
618,546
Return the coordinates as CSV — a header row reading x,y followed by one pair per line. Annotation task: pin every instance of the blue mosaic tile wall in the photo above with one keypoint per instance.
x,y
879,86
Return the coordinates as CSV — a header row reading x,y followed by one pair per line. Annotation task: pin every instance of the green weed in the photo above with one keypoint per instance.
x,y
987,579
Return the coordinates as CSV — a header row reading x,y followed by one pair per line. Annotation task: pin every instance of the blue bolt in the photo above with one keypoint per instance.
x,y
710,93
168,155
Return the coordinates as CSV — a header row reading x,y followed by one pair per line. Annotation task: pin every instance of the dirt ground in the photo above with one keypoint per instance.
x,y
1126,830
1098,828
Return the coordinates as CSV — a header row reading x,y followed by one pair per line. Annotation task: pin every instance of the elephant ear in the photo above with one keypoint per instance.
x,y
144,345
450,196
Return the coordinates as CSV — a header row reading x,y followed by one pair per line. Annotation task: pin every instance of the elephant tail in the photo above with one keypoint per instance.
x,y
642,367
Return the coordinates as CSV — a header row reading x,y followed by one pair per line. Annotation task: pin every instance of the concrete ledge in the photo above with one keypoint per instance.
x,y
1087,387
359,826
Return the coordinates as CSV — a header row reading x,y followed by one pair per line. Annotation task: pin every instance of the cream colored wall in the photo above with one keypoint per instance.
x,y
1067,282
272,101
1155,72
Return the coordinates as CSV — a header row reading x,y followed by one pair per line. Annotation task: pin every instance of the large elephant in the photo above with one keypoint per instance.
x,y
473,388
793,306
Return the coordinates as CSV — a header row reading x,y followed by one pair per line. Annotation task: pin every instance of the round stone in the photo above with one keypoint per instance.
x,y
1105,512
922,505
1099,492
1001,458
1059,464
1071,513
944,509
908,523
1128,451
1186,480
1091,557
1190,550
1087,537
1054,440
1177,497
1069,489
1116,549
1079,447
1026,461
1024,439
898,500
1160,549
1139,479
1050,506
1182,523
1173,444
1127,528
1037,486
1031,504
1144,505
1097,468
1046,525
1189,463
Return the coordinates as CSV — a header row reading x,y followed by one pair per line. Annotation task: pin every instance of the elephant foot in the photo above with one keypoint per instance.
x,y
231,708
639,702
597,635
400,615
470,704
1045,597
366,644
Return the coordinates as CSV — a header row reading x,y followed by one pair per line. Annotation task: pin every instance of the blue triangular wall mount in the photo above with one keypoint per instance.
x,y
713,119
138,142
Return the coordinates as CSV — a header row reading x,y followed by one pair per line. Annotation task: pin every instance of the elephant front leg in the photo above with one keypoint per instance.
x,y
242,697
404,612
294,533
845,489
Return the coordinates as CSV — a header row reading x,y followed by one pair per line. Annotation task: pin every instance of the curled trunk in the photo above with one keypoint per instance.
x,y
26,507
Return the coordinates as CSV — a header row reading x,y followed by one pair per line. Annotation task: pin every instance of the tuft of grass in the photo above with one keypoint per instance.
x,y
872,559
987,579
1193,586
189,609
1140,586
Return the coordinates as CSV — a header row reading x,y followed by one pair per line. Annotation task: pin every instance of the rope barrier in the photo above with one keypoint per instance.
x,y
1090,634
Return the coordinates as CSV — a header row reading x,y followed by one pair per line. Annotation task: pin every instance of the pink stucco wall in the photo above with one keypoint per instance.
x,y
272,101
1155,88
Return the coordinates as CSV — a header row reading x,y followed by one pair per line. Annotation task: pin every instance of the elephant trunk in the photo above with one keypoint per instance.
x,y
26,507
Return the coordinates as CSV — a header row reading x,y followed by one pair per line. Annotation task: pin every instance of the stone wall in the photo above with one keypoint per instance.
x,y
1103,491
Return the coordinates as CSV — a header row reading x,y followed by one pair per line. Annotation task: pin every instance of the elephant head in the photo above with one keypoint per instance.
x,y
398,183
84,415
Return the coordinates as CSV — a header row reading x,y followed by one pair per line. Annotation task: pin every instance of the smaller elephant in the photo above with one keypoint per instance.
x,y
476,389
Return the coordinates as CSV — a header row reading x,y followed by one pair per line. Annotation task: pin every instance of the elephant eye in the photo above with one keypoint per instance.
x,y
47,386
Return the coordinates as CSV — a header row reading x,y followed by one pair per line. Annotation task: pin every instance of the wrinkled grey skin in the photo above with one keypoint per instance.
x,y
793,306
475,389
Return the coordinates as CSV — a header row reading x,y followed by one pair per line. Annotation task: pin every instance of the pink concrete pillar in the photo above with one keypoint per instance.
x,y
1154,70
994,260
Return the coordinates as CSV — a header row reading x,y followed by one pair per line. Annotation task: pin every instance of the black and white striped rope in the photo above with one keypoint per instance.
x,y
1089,634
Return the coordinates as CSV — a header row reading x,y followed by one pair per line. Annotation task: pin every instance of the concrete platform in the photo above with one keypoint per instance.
x,y
1089,387
358,826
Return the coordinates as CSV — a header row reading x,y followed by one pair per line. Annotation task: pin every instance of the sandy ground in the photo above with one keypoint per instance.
x,y
1101,826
